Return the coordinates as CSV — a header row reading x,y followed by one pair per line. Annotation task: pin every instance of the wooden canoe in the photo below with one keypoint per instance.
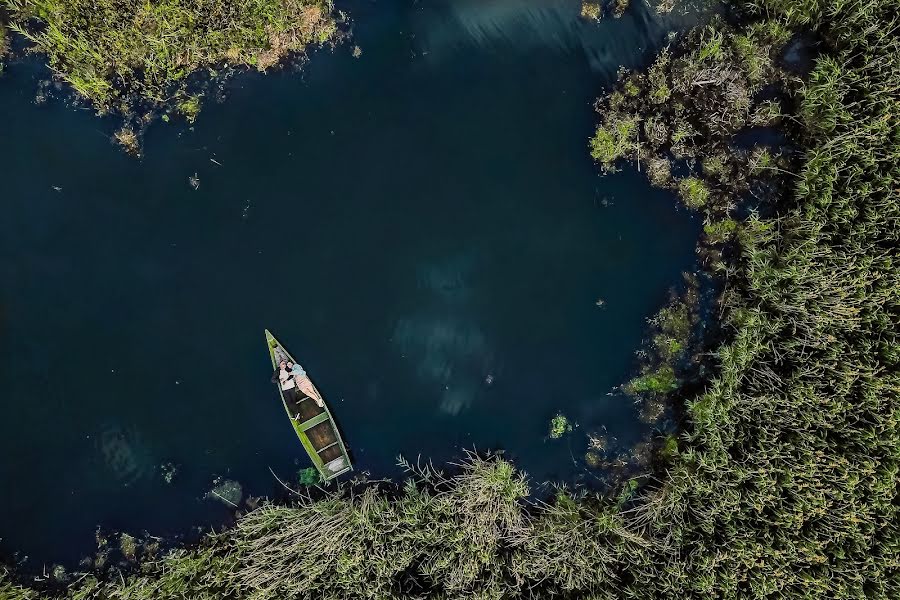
x,y
313,424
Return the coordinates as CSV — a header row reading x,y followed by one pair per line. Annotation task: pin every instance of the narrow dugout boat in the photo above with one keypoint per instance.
x,y
311,419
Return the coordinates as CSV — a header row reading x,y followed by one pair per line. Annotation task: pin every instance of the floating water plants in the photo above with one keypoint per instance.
x,y
309,476
559,426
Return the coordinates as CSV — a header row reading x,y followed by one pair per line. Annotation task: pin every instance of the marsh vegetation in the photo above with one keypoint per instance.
x,y
140,60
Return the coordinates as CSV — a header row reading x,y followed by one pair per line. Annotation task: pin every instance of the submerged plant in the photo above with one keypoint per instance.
x,y
168,471
309,476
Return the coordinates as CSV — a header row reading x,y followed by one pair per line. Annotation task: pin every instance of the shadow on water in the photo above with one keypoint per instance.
x,y
421,226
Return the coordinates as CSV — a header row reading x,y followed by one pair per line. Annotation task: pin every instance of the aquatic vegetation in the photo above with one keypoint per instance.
x,y
128,140
11,591
559,426
4,44
694,192
668,360
591,10
661,380
190,107
718,232
689,105
309,476
615,139
663,6
619,7
128,546
669,448
136,58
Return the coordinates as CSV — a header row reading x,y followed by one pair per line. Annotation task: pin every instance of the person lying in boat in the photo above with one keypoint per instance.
x,y
285,379
302,381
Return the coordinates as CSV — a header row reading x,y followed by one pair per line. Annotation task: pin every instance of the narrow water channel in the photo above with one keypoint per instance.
x,y
422,226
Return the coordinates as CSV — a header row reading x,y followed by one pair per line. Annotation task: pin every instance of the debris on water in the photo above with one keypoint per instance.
x,y
226,491
194,181
598,441
357,51
489,379
168,470
215,162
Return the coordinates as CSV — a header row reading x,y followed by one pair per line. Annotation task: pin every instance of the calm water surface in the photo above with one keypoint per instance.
x,y
422,227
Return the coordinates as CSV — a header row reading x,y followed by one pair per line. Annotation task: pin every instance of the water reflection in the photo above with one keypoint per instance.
x,y
443,340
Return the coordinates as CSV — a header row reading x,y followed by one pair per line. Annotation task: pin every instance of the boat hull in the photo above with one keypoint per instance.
x,y
313,423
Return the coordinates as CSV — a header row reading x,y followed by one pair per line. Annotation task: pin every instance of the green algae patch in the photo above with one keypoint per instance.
x,y
136,57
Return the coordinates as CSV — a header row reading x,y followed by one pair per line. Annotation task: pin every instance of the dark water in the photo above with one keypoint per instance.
x,y
412,224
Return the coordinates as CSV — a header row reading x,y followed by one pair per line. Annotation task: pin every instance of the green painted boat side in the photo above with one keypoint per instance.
x,y
302,428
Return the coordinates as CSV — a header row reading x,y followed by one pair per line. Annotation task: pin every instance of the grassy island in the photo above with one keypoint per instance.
x,y
784,481
136,58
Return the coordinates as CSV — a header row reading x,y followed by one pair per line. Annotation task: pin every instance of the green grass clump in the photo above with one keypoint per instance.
x,y
632,88
711,47
614,139
11,591
720,231
559,426
130,56
658,77
190,108
694,192
660,381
